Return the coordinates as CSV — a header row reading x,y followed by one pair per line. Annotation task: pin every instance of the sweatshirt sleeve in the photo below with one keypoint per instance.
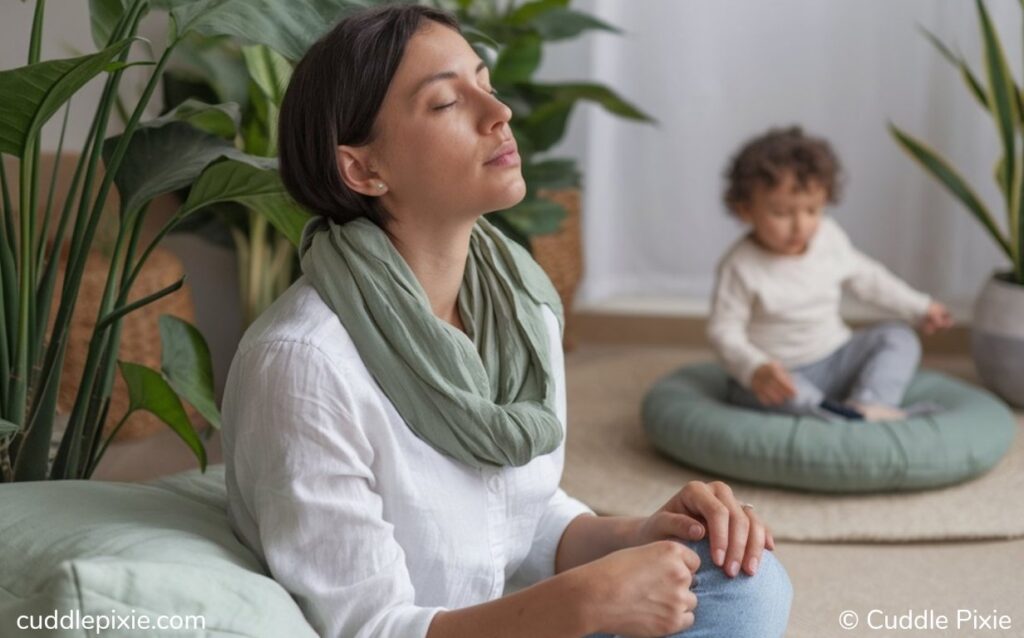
x,y
727,326
303,466
873,283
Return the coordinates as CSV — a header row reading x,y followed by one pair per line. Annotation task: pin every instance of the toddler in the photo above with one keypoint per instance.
x,y
775,321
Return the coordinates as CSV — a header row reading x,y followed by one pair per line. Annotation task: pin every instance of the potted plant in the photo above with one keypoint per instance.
x,y
997,327
148,159
510,38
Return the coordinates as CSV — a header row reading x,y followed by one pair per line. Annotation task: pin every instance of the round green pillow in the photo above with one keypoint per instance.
x,y
686,416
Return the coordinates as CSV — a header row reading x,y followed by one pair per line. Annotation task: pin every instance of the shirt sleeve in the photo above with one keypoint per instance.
x,y
303,466
870,281
727,327
561,508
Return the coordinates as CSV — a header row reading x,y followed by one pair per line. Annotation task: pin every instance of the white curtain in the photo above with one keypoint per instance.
x,y
716,72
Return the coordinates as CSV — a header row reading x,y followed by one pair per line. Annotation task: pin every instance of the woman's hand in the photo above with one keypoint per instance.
x,y
641,591
936,318
736,534
772,384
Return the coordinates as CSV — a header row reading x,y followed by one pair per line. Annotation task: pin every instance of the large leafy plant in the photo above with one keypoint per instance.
x,y
510,37
251,80
186,147
1001,97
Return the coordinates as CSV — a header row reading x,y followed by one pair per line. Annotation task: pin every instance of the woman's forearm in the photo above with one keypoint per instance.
x,y
589,537
559,607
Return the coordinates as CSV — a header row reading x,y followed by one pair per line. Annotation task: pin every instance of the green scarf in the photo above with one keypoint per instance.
x,y
486,399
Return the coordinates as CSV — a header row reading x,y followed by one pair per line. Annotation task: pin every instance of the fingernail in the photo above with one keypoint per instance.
x,y
719,556
733,568
696,531
753,565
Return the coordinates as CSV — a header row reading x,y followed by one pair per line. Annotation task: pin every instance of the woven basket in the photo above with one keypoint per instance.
x,y
560,254
140,334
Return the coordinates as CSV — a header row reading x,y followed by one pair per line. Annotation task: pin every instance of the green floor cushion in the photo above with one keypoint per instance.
x,y
686,416
131,550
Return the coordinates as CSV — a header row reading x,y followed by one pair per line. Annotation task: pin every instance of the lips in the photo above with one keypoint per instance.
x,y
506,152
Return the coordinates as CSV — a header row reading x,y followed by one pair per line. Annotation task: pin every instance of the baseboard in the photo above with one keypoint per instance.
x,y
605,328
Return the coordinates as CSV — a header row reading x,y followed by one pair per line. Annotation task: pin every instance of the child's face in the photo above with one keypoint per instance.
x,y
785,218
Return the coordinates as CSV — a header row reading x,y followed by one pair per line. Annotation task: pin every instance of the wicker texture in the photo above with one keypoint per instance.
x,y
560,254
140,334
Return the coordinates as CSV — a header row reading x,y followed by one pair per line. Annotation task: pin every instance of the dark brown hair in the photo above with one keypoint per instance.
x,y
765,160
333,98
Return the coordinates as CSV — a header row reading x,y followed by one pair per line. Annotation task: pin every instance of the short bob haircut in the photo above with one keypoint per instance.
x,y
333,98
765,160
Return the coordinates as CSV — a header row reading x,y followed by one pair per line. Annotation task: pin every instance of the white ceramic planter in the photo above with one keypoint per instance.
x,y
997,338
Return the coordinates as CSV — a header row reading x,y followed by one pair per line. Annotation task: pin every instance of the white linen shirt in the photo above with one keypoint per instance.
x,y
367,526
772,307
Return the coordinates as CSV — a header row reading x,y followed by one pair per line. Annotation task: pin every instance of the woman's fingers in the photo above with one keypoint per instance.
x,y
756,540
700,499
739,531
673,525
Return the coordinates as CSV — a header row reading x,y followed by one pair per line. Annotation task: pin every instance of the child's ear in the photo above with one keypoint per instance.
x,y
742,210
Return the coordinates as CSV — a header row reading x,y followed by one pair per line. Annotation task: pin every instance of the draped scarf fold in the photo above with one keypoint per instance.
x,y
485,397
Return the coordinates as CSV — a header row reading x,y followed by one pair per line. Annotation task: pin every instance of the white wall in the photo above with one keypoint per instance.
x,y
716,72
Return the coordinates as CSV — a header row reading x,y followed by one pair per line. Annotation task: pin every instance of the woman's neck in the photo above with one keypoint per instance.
x,y
436,253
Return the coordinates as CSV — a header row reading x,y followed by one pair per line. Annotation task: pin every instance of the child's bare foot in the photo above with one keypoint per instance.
x,y
879,412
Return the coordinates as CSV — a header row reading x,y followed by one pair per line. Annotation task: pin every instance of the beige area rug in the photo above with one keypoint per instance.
x,y
610,466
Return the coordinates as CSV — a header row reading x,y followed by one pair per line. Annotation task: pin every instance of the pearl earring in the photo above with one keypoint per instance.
x,y
380,186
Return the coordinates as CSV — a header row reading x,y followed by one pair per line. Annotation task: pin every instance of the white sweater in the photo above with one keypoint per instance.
x,y
371,529
785,308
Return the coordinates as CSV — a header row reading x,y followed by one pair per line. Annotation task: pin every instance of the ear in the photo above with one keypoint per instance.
x,y
744,212
356,171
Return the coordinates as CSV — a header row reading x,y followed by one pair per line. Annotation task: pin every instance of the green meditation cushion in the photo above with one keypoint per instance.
x,y
124,551
686,416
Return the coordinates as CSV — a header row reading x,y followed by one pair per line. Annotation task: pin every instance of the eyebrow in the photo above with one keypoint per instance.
x,y
444,75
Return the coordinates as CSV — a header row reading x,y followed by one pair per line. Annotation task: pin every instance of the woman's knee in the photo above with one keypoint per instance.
x,y
744,606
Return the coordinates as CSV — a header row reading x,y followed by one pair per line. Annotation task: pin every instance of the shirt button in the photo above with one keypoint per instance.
x,y
494,483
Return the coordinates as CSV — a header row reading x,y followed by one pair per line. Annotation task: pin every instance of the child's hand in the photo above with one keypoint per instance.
x,y
936,318
772,384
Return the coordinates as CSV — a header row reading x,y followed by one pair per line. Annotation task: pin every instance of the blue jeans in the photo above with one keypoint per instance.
x,y
874,366
742,607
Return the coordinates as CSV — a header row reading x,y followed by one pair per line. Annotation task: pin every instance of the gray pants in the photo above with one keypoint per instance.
x,y
874,367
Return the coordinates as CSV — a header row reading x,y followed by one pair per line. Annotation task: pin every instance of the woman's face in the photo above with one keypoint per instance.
x,y
442,144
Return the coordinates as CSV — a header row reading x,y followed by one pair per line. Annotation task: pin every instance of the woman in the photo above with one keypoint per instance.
x,y
394,423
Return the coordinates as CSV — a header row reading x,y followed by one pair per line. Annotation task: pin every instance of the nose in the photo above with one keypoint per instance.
x,y
496,114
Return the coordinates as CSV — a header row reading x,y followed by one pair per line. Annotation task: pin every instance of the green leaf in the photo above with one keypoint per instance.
x,y
148,391
33,93
161,159
185,363
259,189
215,62
529,11
269,70
950,178
518,60
972,82
535,216
596,93
222,120
287,27
562,24
103,18
7,428
1001,97
551,174
546,125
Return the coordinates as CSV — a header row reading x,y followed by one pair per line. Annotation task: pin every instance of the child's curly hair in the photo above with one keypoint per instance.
x,y
766,159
